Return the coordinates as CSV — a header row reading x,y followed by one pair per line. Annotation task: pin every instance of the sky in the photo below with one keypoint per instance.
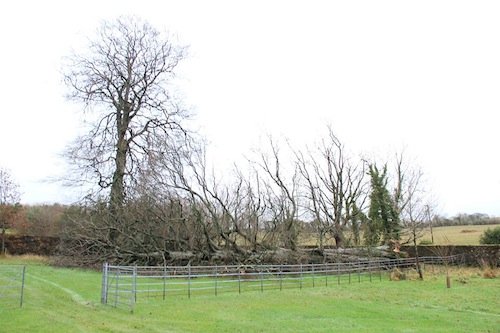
x,y
423,76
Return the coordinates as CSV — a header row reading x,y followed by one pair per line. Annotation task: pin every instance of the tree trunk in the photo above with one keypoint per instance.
x,y
117,194
339,240
417,259
2,249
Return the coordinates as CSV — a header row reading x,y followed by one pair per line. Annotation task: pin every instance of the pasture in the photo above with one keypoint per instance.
x,y
456,235
68,300
449,235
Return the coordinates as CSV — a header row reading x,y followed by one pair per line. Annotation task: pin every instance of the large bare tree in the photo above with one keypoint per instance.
x,y
123,80
335,188
281,187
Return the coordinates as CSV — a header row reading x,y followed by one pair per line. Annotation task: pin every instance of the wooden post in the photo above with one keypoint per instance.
x,y
326,274
338,273
239,281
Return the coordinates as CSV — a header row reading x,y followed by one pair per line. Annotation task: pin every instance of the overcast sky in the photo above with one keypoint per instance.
x,y
424,75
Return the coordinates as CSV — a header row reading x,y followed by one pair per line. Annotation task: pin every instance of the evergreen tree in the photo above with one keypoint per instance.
x,y
383,219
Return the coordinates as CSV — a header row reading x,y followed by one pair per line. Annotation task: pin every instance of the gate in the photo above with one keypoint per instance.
x,y
12,285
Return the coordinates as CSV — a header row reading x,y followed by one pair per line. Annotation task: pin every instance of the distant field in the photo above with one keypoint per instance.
x,y
67,300
452,235
457,235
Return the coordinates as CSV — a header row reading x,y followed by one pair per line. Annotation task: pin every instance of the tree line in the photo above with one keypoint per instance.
x,y
152,193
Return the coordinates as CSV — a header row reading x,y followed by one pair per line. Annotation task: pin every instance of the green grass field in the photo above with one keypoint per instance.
x,y
67,300
457,235
450,235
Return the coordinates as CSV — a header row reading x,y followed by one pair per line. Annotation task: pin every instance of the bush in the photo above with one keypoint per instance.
x,y
490,236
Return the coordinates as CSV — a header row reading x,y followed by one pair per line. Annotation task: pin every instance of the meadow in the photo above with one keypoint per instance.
x,y
67,300
456,235
448,235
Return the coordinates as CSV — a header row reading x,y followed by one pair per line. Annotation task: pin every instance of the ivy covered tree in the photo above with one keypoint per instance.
x,y
383,218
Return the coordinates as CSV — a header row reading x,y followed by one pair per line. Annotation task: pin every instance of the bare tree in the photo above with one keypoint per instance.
x,y
412,203
335,187
414,219
123,82
281,195
9,199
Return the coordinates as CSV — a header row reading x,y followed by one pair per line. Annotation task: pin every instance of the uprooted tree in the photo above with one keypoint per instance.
x,y
154,198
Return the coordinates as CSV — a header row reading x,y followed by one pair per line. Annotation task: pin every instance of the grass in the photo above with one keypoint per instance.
x,y
457,235
67,300
454,235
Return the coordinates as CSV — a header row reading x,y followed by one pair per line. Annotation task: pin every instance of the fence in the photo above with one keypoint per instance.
x,y
124,286
12,285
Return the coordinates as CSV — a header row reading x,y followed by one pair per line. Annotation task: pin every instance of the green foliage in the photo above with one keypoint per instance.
x,y
490,236
383,217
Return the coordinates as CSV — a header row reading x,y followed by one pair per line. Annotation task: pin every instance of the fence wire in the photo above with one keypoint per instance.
x,y
12,285
124,286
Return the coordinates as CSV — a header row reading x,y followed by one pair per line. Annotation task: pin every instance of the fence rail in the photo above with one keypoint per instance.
x,y
124,286
12,285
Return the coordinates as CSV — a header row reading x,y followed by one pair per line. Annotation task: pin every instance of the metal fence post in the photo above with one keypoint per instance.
x,y
189,280
104,287
116,286
215,280
313,274
281,277
22,286
261,280
164,280
359,272
300,285
370,269
133,298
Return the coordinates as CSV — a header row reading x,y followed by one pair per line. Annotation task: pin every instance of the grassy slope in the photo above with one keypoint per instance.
x,y
70,303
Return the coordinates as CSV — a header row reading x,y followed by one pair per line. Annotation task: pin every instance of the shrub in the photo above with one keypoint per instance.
x,y
397,275
490,236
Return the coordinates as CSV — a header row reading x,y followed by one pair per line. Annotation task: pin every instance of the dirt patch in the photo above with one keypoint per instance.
x,y
468,231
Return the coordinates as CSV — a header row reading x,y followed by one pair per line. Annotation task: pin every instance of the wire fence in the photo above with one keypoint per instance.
x,y
124,286
12,279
